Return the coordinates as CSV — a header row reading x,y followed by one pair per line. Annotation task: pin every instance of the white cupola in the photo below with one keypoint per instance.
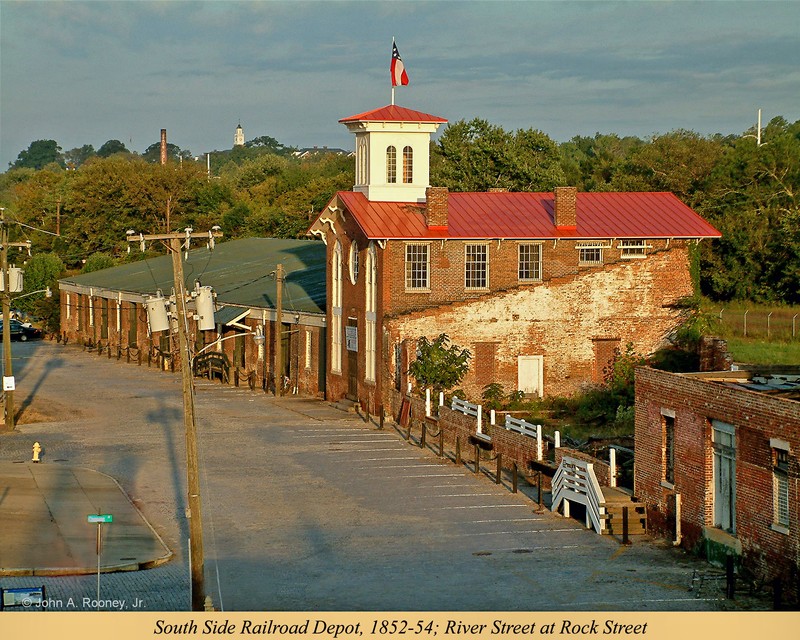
x,y
393,153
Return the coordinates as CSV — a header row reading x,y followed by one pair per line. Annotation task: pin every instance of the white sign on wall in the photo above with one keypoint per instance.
x,y
8,383
351,338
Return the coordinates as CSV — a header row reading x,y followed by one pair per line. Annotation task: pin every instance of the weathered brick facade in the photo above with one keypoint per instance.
x,y
575,317
763,426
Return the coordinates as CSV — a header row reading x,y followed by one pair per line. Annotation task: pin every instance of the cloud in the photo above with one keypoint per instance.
x,y
85,72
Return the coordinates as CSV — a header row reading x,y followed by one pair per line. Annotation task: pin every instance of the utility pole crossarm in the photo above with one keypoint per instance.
x,y
171,236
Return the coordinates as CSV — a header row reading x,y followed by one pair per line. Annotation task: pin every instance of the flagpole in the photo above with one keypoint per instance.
x,y
393,79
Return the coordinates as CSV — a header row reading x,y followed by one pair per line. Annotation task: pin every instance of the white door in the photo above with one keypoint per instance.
x,y
529,375
724,443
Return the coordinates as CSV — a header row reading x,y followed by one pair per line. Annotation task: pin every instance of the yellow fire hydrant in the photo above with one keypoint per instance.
x,y
37,449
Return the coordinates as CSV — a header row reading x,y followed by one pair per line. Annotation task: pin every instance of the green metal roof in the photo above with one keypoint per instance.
x,y
239,271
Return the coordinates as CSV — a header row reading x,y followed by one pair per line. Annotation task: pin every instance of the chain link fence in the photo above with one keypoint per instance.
x,y
750,323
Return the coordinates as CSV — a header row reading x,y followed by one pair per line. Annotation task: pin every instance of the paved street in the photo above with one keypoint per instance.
x,y
309,508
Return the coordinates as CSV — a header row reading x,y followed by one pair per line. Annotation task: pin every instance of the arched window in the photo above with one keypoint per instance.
x,y
336,321
353,262
362,177
371,275
408,165
391,165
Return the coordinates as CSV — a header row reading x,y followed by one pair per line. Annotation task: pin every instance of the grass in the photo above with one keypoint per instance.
x,y
763,352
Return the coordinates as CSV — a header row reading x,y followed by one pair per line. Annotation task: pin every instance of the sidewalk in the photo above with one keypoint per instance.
x,y
44,509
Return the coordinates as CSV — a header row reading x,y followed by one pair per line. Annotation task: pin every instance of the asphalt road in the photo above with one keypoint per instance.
x,y
309,508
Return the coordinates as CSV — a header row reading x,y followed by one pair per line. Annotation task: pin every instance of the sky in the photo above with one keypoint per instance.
x,y
86,72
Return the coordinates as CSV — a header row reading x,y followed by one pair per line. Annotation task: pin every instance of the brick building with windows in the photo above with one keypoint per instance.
x,y
542,288
717,465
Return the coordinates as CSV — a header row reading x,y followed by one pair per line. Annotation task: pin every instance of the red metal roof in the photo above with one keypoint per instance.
x,y
530,215
393,113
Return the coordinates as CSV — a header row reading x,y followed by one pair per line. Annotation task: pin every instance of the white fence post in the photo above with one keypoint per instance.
x,y
557,439
441,398
492,417
612,463
539,443
480,418
427,402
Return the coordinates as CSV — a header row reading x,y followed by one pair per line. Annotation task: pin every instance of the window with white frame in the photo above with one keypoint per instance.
x,y
780,483
408,165
371,309
633,248
336,320
418,267
363,175
391,165
590,253
476,266
529,264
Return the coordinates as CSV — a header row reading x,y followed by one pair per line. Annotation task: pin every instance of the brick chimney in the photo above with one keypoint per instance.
x,y
163,146
436,206
564,208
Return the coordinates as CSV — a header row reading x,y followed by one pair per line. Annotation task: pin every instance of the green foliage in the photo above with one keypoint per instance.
x,y
493,394
98,262
476,156
439,364
39,154
41,271
110,147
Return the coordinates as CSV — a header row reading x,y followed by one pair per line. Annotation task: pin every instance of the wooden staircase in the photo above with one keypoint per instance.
x,y
615,499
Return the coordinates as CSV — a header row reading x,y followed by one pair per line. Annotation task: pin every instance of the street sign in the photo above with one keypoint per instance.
x,y
96,518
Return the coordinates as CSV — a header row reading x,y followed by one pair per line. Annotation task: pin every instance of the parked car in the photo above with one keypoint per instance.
x,y
21,331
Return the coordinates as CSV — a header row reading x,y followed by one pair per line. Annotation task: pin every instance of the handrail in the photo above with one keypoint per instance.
x,y
468,409
575,480
526,428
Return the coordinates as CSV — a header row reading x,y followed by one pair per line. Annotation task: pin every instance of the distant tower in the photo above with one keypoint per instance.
x,y
238,137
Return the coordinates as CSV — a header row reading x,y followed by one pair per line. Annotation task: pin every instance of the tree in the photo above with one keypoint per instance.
x,y
266,142
74,158
42,271
439,364
477,156
39,154
98,262
110,147
174,152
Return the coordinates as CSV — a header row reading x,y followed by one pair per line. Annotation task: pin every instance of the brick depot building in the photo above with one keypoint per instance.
x,y
717,465
107,308
542,288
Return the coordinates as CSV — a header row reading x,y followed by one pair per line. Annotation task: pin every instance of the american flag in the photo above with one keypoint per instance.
x,y
398,70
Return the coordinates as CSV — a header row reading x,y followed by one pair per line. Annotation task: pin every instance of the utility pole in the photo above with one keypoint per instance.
x,y
197,559
279,330
8,374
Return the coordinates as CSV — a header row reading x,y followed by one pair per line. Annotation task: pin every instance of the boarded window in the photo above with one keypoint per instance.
x,y
485,358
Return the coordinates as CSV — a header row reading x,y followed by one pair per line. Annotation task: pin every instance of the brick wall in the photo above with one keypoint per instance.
x,y
513,447
757,417
627,300
76,328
